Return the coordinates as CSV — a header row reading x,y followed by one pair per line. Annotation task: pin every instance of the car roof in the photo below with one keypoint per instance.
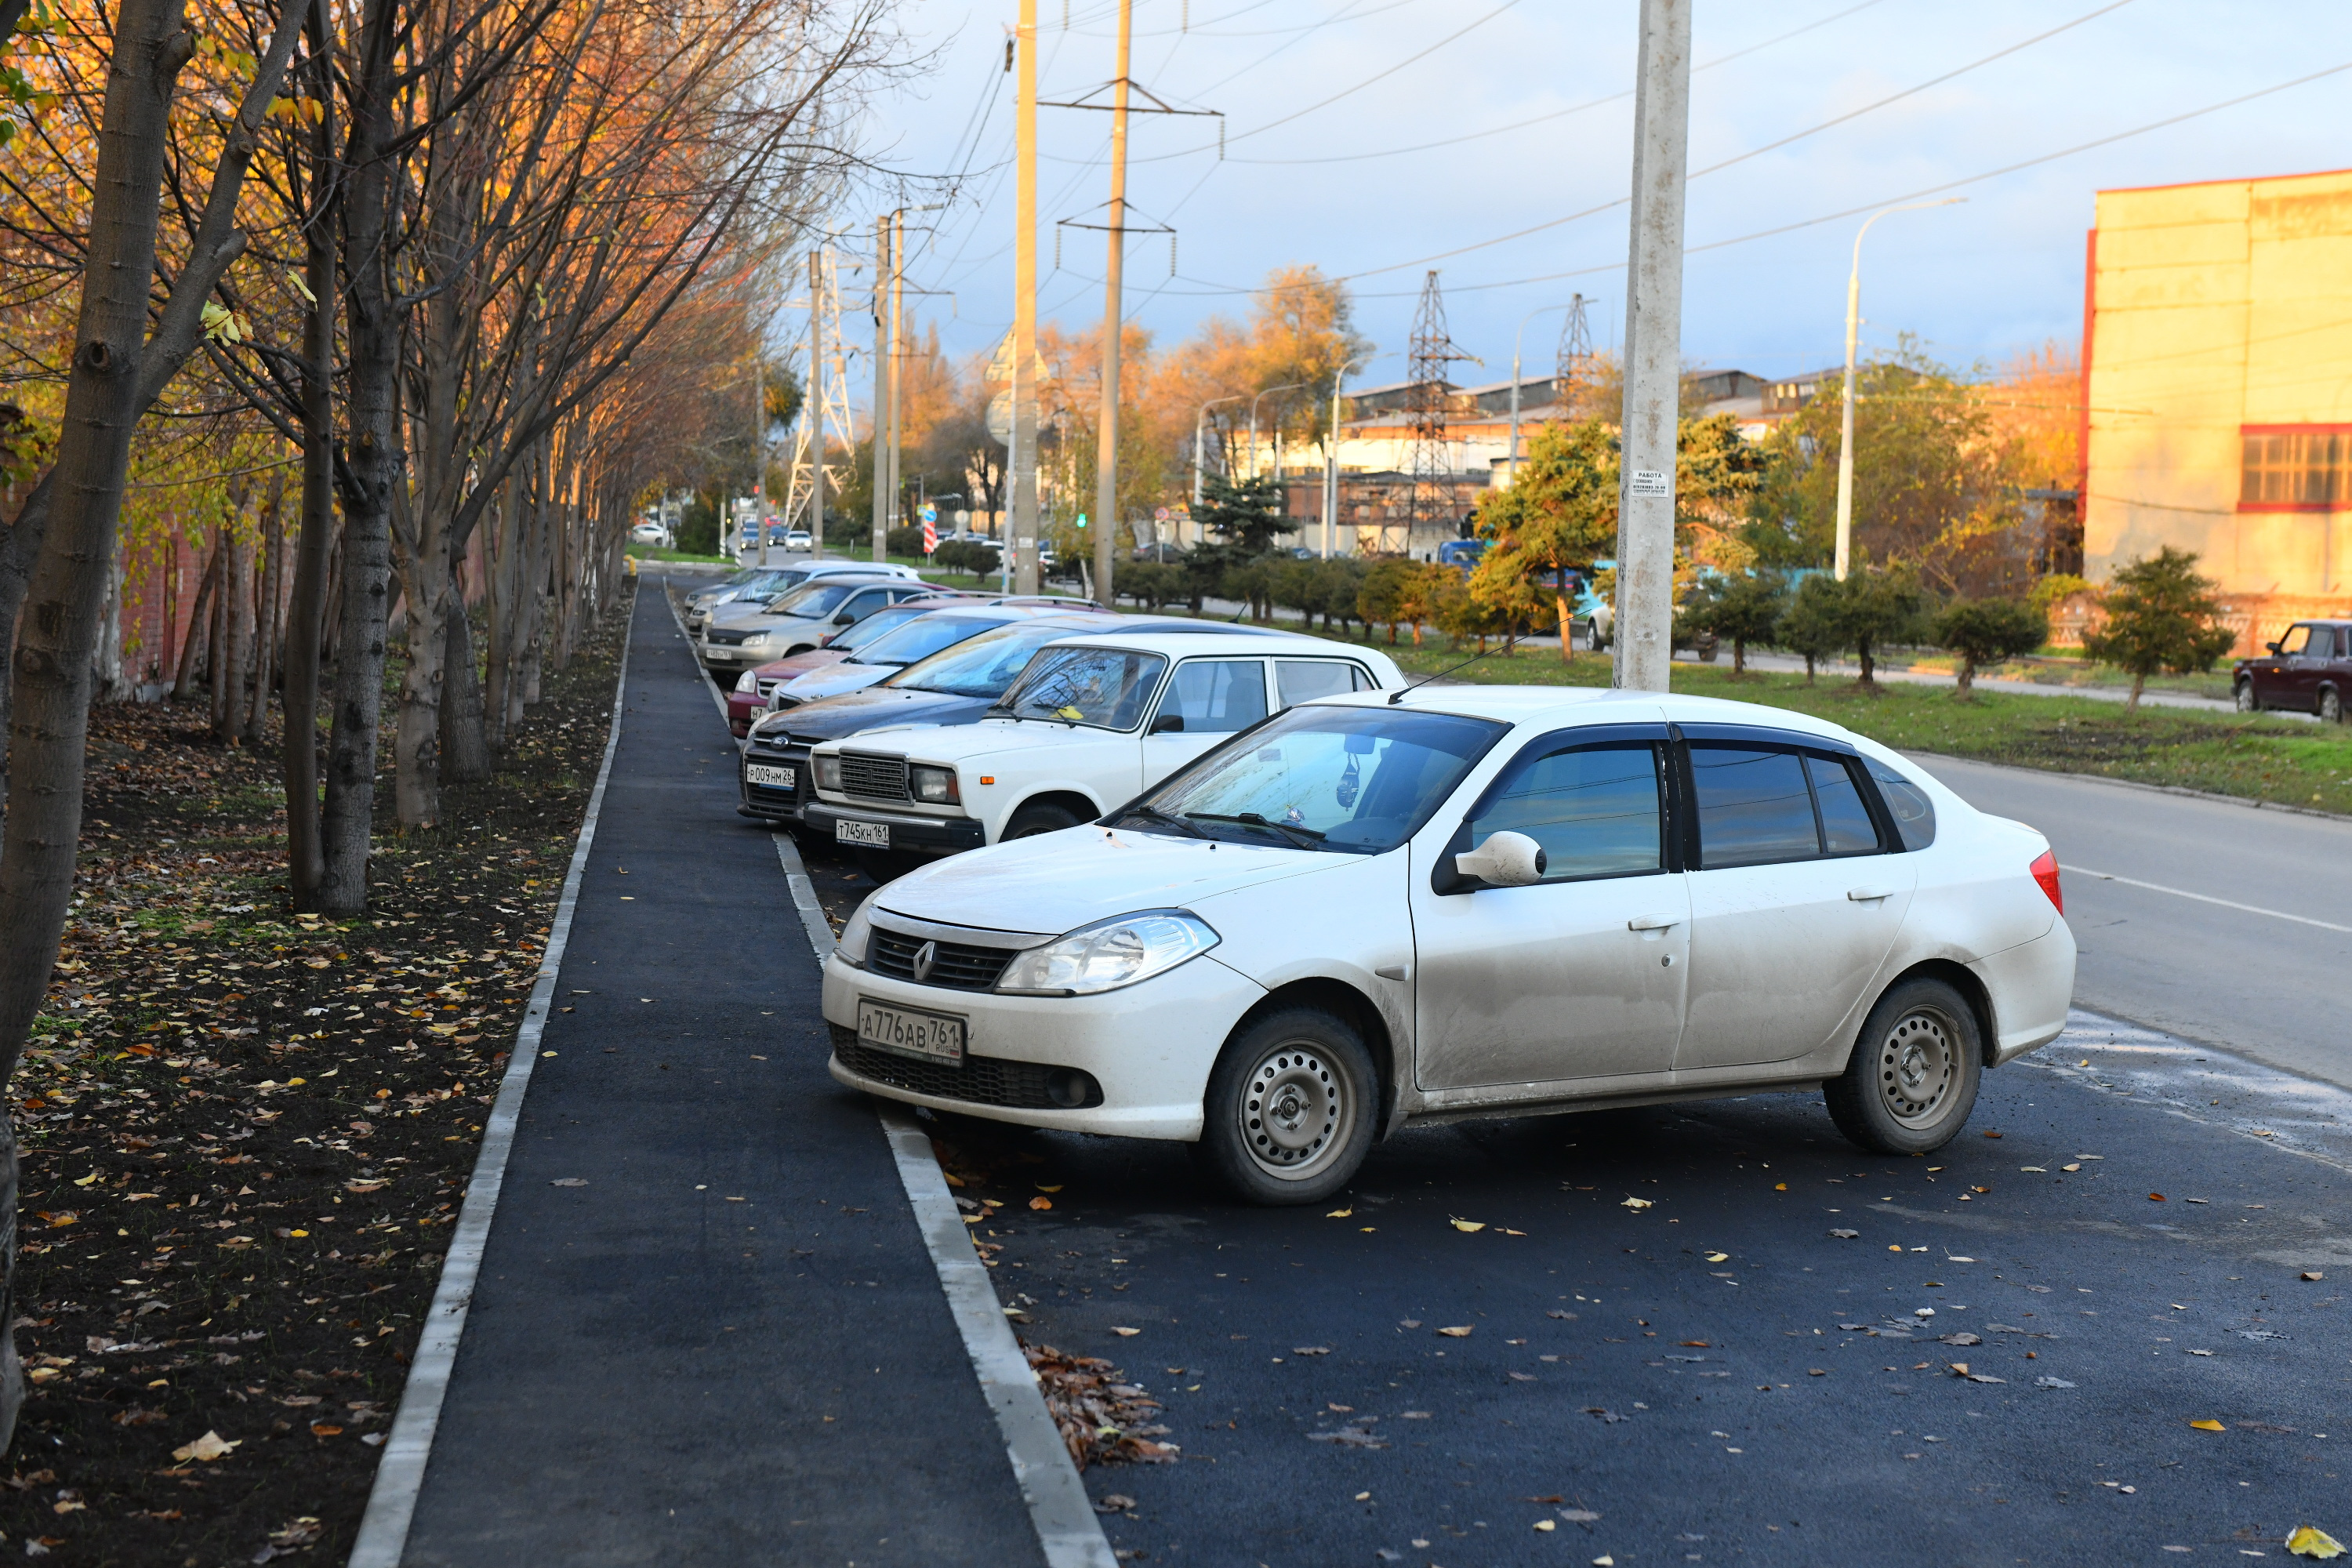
x,y
1537,707
1184,639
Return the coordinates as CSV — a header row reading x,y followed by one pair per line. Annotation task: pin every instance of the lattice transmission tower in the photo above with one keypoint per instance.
x,y
1572,377
1428,403
826,399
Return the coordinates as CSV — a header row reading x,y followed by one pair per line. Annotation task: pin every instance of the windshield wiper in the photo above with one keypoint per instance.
x,y
1153,813
1309,836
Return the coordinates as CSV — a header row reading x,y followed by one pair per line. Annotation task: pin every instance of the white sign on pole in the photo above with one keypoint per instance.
x,y
1650,482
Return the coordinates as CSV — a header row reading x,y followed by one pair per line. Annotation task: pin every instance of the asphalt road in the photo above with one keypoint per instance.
x,y
2266,979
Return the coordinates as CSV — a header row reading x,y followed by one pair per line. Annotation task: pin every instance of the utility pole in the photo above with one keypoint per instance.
x,y
815,401
898,347
1107,437
759,452
1331,460
1023,455
881,380
1642,643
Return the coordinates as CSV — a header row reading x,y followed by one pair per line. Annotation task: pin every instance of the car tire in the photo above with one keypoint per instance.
x,y
1912,1077
1290,1109
886,865
1043,817
2246,698
2331,707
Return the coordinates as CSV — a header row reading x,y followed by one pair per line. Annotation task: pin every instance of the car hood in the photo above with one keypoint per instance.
x,y
800,664
833,679
1059,881
748,616
834,717
989,738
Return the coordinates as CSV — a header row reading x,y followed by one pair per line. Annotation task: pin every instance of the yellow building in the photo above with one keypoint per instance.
x,y
2217,357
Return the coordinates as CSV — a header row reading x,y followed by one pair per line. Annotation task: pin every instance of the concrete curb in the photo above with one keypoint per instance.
x,y
400,1475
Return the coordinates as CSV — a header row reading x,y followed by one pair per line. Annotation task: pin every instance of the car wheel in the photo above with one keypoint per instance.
x,y
886,865
1289,1110
2245,697
1913,1078
2331,706
1043,818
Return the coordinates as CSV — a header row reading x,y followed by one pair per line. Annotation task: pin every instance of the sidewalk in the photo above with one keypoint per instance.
x,y
728,1346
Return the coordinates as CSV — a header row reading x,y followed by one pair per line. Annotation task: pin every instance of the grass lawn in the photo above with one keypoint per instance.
x,y
655,552
2255,755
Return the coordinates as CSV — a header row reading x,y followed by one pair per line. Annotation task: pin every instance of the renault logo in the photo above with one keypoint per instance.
x,y
924,955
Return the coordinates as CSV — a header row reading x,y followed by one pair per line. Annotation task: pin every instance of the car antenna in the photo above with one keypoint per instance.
x,y
1399,695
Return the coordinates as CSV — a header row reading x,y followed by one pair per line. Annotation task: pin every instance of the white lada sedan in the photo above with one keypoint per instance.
x,y
1090,724
1469,901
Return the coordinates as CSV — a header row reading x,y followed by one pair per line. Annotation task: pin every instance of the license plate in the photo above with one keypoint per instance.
x,y
774,778
874,834
935,1035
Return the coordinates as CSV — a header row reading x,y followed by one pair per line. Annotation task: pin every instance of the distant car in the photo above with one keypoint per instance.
x,y
955,686
767,582
798,539
2308,671
884,656
1091,721
1461,553
748,698
649,534
744,637
1483,900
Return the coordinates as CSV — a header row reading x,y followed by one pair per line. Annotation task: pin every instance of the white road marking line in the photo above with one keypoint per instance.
x,y
2203,897
1059,1511
391,1502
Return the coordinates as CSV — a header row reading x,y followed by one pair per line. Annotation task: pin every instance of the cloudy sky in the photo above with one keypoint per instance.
x,y
1373,137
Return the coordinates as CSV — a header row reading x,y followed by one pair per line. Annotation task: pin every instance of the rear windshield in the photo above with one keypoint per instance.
x,y
921,637
983,666
849,639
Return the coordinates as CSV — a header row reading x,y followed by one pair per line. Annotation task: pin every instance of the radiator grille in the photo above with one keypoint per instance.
x,y
953,964
876,778
981,1080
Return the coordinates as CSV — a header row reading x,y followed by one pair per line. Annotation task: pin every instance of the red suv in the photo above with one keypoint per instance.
x,y
2309,671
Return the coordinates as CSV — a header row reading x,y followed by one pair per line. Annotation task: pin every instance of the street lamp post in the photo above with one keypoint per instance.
x,y
1200,453
1511,466
1331,460
1845,431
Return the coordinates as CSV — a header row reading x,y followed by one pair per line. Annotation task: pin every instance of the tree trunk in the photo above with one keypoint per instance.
x,y
465,748
235,647
417,729
1809,669
50,718
2140,683
185,686
1967,686
304,619
266,619
106,669
1740,656
20,545
1567,629
1869,666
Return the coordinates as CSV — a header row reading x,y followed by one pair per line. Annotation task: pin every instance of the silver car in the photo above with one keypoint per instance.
x,y
743,637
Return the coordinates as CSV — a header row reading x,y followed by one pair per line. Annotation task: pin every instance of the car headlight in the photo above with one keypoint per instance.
x,y
934,787
756,640
1108,954
828,772
850,946
747,684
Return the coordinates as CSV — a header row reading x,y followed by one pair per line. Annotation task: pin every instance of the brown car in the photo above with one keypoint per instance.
x,y
2308,671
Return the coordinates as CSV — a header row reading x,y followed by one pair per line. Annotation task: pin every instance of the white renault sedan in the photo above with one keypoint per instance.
x,y
1090,724
1468,901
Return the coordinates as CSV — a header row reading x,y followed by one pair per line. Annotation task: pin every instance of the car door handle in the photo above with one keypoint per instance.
x,y
1869,895
1653,923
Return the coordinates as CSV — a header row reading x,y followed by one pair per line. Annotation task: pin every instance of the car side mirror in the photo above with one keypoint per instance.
x,y
2274,648
1168,724
1504,860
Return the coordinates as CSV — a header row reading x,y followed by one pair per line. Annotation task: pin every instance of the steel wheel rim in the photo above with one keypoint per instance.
x,y
1297,1110
2331,707
1919,1067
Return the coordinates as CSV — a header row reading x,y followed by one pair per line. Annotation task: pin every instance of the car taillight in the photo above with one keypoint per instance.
x,y
2046,871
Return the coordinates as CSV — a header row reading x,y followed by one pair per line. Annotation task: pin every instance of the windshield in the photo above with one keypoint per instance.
x,y
1358,780
1103,686
849,639
985,665
811,599
923,637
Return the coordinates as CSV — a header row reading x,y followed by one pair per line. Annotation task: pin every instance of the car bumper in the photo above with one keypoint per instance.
x,y
1149,1046
2031,987
908,830
766,801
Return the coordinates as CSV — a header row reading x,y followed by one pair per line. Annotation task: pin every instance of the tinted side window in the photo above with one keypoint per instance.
x,y
1595,811
2323,643
1914,813
1300,680
1753,806
1217,696
1846,827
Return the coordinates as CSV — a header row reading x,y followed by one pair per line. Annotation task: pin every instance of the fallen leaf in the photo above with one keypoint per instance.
x,y
1779,1186
1631,1203
1117,1502
1041,1203
1992,1135
1311,1350
1520,1376
2209,1425
2309,1540
1546,1524
1562,1313
1580,1516
1718,1257
569,1181
1472,1226
1339,1213
1054,1188
2156,1197
211,1446
85,1181
2314,1274
2052,1382
1126,1333
1845,1235
1699,1345
1460,1333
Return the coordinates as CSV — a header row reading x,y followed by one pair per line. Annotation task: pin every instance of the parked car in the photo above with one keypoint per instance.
x,y
742,636
2308,671
767,581
886,655
1090,722
748,698
649,534
955,686
798,539
1476,900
